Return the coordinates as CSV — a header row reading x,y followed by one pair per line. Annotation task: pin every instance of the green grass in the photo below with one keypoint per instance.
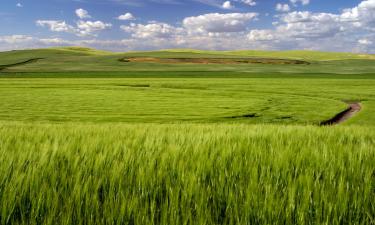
x,y
274,99
83,59
87,139
83,50
303,55
186,174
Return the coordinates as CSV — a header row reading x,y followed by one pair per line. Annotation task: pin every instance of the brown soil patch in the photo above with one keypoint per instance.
x,y
344,115
214,61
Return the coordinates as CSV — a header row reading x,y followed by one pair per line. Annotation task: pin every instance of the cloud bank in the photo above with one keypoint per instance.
x,y
353,29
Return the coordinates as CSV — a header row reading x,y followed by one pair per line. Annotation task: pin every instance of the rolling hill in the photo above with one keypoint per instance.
x,y
85,59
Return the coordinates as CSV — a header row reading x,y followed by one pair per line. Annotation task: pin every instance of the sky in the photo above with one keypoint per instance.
x,y
125,25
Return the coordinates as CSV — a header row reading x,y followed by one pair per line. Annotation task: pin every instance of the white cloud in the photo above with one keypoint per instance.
x,y
249,2
15,39
56,25
14,42
365,42
152,30
219,23
227,5
215,3
303,2
53,41
87,28
261,35
350,30
293,30
83,28
126,16
19,5
82,14
361,16
209,31
310,25
282,7
322,31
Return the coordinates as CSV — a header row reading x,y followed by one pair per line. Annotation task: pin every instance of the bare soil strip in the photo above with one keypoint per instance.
x,y
215,61
3,67
343,116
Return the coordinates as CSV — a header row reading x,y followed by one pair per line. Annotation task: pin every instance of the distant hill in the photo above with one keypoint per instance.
x,y
295,54
87,59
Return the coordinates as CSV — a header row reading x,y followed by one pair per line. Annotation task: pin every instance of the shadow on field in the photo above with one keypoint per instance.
x,y
251,115
214,61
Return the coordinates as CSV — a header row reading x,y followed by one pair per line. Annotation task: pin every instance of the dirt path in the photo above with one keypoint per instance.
x,y
353,109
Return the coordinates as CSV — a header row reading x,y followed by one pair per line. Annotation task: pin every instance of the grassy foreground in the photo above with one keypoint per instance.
x,y
92,137
186,174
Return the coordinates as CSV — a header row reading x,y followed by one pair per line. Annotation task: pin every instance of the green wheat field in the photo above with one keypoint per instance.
x,y
95,137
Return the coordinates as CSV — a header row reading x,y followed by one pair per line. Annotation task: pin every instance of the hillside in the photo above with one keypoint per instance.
x,y
294,54
85,59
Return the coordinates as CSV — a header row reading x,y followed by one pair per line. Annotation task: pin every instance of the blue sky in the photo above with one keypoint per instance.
x,y
122,25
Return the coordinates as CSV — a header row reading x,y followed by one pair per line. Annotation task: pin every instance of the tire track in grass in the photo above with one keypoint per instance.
x,y
343,116
3,67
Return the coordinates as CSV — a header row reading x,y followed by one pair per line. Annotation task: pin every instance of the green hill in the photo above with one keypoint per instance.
x,y
295,54
86,59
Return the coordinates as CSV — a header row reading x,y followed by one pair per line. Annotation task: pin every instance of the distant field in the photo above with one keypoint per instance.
x,y
185,137
184,86
78,59
262,99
